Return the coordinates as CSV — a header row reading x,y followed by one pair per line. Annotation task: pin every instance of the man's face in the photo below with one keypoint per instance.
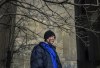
x,y
51,39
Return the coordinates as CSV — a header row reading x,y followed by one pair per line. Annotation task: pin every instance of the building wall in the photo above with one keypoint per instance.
x,y
6,31
65,40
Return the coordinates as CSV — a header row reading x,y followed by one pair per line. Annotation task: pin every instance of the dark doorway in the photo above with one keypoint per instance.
x,y
88,34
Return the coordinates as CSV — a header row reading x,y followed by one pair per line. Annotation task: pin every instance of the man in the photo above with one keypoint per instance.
x,y
44,54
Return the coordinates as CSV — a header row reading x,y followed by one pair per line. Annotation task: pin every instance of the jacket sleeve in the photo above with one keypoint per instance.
x,y
36,58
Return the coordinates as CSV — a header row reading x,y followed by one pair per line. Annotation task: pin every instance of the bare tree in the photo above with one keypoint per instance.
x,y
44,12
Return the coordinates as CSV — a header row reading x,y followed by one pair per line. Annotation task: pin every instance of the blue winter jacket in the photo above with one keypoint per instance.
x,y
40,58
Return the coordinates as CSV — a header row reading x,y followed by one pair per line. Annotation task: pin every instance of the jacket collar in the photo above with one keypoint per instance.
x,y
52,46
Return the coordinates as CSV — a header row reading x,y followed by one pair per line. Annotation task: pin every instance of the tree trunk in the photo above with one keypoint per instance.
x,y
7,29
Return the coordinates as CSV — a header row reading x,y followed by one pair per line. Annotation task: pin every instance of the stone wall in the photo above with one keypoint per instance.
x,y
65,41
7,22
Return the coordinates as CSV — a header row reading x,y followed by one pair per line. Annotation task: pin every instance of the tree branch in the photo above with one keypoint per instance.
x,y
67,2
